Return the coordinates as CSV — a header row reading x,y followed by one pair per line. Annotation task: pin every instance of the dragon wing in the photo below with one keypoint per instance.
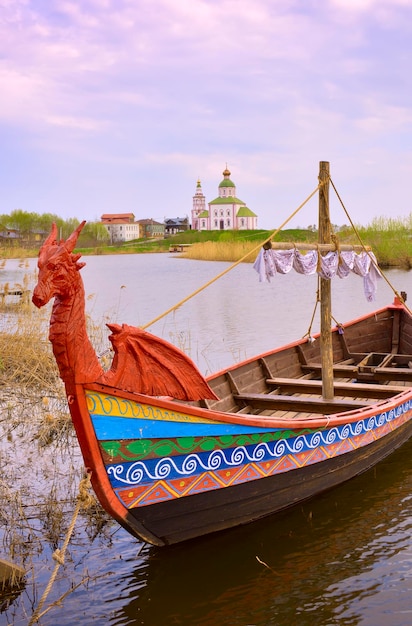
x,y
144,363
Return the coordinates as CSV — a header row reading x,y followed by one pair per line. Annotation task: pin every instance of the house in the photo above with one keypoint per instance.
x,y
9,235
226,212
175,225
121,226
14,236
150,229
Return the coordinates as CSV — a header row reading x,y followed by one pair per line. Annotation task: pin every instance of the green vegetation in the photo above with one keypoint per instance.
x,y
391,241
32,228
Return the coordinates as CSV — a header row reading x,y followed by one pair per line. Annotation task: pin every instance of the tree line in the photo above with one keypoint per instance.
x,y
34,226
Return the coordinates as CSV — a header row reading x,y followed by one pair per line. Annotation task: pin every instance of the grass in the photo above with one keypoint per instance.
x,y
391,241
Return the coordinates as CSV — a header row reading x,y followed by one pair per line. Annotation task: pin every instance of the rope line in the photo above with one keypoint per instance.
x,y
309,331
231,267
84,499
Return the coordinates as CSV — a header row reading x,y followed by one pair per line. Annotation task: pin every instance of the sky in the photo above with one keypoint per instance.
x,y
121,105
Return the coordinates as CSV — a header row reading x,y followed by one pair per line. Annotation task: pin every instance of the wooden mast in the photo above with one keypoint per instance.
x,y
325,287
325,244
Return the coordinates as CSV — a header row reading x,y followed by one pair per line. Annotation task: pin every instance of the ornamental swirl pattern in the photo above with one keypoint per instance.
x,y
100,403
172,467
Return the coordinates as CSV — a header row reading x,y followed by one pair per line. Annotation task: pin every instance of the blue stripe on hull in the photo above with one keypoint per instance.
x,y
125,428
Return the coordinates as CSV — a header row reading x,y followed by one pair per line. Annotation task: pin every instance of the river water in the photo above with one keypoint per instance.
x,y
343,558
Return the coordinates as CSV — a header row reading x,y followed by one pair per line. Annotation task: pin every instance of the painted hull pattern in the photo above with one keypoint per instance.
x,y
175,475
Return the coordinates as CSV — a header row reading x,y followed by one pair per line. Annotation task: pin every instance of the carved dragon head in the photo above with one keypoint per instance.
x,y
58,267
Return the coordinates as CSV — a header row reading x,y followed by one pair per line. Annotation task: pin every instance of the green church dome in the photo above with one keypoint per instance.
x,y
226,182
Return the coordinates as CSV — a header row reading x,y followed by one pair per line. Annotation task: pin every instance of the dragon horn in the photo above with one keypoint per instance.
x,y
50,241
72,240
52,237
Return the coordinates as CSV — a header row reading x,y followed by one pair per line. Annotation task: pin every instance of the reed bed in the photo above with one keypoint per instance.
x,y
391,240
223,251
14,252
40,461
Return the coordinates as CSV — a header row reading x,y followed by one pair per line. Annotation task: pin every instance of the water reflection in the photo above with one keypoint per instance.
x,y
344,558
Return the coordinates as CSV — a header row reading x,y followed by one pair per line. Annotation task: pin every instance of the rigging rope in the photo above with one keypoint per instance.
x,y
231,267
309,331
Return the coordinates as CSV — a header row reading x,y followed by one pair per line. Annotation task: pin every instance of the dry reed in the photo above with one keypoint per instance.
x,y
40,461
222,251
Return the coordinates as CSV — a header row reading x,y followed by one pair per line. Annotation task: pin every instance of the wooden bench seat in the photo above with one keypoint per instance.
x,y
392,373
267,401
307,385
341,370
363,374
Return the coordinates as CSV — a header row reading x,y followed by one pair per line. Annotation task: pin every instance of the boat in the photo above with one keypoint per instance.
x,y
174,456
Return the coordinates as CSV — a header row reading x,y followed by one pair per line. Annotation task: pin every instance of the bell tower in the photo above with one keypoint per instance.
x,y
199,205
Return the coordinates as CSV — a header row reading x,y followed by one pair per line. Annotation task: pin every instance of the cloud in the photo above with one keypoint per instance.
x,y
75,123
131,91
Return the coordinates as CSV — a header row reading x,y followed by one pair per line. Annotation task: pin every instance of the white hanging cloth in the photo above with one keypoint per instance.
x,y
271,262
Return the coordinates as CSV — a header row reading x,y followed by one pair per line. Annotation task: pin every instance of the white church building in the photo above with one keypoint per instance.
x,y
226,212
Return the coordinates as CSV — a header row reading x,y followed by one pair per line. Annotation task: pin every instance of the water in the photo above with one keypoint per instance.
x,y
233,318
344,558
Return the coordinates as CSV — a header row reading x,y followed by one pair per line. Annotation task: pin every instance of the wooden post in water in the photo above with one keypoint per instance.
x,y
325,287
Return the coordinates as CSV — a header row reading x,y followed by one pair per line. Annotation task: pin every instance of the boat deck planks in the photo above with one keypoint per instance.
x,y
351,389
361,379
289,386
309,403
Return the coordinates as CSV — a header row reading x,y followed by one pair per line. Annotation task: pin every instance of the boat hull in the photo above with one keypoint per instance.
x,y
171,471
246,442
178,521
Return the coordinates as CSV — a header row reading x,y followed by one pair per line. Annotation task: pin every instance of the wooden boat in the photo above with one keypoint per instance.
x,y
173,456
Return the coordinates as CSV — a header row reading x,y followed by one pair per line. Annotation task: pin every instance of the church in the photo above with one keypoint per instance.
x,y
226,212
